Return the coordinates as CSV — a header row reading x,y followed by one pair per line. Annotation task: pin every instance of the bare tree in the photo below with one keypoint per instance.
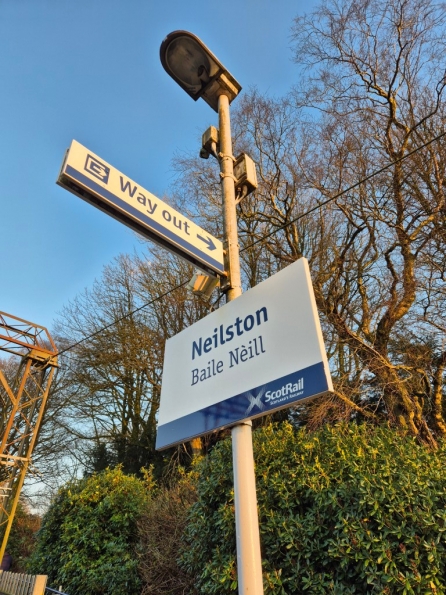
x,y
368,108
115,333
377,76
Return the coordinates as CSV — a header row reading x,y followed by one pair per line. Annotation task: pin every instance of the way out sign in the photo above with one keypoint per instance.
x,y
259,353
88,176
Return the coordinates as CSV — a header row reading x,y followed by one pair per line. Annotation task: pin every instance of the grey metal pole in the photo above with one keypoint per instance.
x,y
230,242
249,561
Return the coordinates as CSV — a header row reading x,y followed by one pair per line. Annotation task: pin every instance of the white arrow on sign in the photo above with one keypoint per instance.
x,y
91,178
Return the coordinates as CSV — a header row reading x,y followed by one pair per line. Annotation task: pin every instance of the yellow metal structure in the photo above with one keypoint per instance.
x,y
28,360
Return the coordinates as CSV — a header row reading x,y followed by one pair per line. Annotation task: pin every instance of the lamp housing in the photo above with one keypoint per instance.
x,y
195,68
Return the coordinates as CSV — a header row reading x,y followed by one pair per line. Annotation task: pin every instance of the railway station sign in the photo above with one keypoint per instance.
x,y
91,178
255,355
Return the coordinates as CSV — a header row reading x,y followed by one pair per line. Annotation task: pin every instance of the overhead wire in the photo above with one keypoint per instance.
x,y
123,317
263,238
345,191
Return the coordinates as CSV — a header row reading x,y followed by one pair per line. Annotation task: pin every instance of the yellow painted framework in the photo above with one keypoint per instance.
x,y
30,357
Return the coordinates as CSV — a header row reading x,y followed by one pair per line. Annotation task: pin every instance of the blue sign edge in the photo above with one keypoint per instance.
x,y
242,406
136,214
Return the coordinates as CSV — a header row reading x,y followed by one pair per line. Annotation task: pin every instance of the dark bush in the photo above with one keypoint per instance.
x,y
160,530
88,542
21,540
345,510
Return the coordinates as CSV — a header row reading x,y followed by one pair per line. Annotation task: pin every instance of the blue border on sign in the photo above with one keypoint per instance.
x,y
154,226
283,392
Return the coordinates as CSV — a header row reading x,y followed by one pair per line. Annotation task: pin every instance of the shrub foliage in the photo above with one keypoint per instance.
x,y
88,540
22,538
345,510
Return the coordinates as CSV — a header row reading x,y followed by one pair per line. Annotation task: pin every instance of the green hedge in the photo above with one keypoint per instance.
x,y
88,541
345,510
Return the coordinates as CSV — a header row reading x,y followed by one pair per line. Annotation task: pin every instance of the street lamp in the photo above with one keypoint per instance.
x,y
195,68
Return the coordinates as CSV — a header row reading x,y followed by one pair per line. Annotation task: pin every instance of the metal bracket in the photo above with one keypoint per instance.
x,y
226,156
225,281
225,284
223,175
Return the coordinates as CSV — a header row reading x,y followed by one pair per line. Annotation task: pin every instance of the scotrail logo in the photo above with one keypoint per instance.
x,y
97,169
287,391
255,401
272,398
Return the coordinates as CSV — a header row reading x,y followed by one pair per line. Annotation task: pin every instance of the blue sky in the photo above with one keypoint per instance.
x,y
90,70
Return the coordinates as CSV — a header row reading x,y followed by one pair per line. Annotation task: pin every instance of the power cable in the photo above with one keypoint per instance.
x,y
336,196
104,328
263,238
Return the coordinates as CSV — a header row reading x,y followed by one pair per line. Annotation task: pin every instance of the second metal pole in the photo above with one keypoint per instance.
x,y
249,561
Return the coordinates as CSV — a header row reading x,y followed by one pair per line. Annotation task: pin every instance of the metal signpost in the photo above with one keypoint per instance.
x,y
91,178
193,66
250,357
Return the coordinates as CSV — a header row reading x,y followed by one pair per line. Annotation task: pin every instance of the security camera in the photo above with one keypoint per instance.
x,y
204,154
203,285
245,175
210,141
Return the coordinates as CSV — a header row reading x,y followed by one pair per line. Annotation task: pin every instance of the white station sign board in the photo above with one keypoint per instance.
x,y
259,353
88,176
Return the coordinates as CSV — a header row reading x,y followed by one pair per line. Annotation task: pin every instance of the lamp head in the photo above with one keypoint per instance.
x,y
195,68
